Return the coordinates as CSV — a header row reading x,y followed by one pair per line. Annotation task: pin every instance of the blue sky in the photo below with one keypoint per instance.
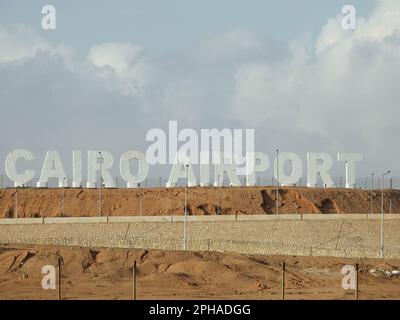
x,y
112,70
162,25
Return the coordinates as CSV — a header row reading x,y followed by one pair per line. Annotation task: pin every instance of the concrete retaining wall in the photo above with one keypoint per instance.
x,y
386,216
329,237
133,219
22,221
213,218
204,218
269,217
75,220
347,216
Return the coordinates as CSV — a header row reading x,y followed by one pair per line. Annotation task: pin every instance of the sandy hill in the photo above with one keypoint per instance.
x,y
33,202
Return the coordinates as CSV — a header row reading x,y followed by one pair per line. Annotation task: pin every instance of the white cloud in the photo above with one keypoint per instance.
x,y
337,92
229,45
18,42
236,45
345,90
184,101
123,66
261,92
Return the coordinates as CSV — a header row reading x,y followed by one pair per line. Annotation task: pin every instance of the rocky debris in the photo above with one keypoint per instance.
x,y
385,270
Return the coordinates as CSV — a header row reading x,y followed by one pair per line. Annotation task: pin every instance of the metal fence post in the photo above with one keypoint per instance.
x,y
134,280
59,278
356,292
283,280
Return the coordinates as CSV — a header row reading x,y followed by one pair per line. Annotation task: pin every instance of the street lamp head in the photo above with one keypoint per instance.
x,y
387,173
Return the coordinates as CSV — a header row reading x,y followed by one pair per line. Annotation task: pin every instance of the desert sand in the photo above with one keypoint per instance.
x,y
33,202
107,274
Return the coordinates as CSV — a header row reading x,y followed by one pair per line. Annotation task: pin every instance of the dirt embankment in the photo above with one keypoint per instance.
x,y
33,202
107,274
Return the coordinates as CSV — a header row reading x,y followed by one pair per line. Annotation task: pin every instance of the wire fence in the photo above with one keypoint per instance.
x,y
364,183
132,279
288,282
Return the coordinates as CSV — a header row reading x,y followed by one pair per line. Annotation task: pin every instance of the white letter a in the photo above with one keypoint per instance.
x,y
49,20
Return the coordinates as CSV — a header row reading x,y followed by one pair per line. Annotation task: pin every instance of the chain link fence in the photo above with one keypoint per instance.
x,y
364,183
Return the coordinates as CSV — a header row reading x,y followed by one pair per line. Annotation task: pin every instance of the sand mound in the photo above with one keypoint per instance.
x,y
107,274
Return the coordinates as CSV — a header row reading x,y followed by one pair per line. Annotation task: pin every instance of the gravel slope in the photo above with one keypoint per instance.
x,y
351,238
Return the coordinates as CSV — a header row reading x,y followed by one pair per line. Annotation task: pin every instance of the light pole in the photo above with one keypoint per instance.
x,y
277,181
372,192
141,201
63,196
186,196
101,185
140,204
218,201
383,186
16,203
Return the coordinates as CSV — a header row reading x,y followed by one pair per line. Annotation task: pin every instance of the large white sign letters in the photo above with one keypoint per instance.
x,y
99,163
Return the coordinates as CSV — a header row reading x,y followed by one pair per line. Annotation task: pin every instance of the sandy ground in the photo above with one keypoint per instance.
x,y
33,202
107,274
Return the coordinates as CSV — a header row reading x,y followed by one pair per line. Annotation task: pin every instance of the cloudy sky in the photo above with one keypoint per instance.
x,y
112,70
